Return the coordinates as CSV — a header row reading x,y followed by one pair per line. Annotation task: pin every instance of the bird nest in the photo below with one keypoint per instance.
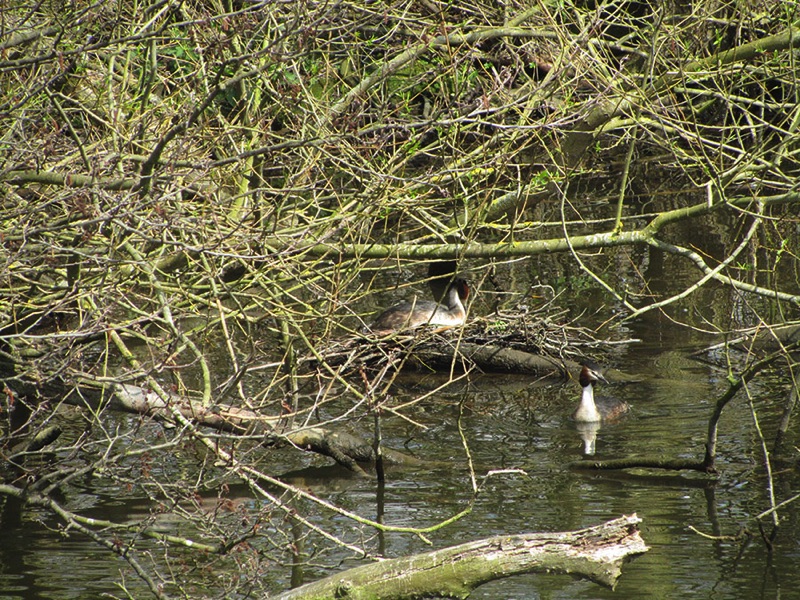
x,y
505,342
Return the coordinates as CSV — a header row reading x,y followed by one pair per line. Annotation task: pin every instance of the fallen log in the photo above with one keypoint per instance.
x,y
596,553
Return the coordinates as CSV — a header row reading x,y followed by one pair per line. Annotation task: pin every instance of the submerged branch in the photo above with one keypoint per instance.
x,y
643,462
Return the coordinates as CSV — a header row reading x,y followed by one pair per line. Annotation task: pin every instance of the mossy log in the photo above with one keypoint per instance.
x,y
596,553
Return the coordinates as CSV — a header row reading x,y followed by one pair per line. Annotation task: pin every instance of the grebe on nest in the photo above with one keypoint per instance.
x,y
604,409
409,315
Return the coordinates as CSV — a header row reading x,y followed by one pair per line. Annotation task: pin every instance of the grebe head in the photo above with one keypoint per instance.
x,y
590,373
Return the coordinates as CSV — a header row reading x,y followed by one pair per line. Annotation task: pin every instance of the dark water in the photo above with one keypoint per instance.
x,y
512,423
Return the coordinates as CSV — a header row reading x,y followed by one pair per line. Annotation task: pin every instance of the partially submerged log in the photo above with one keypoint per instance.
x,y
496,359
346,449
596,553
232,419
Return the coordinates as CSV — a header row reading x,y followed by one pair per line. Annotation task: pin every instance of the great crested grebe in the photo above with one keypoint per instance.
x,y
415,313
605,409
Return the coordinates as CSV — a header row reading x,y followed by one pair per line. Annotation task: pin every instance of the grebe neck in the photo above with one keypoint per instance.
x,y
453,299
451,311
587,410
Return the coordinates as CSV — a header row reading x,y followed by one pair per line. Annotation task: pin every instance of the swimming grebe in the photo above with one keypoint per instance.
x,y
409,315
605,409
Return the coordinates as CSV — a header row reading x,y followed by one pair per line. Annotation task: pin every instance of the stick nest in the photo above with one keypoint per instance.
x,y
508,341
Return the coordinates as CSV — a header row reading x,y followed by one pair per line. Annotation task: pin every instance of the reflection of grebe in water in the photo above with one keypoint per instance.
x,y
408,315
591,413
588,433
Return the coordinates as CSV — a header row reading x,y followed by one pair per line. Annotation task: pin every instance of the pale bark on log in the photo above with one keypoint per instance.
x,y
346,449
596,553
